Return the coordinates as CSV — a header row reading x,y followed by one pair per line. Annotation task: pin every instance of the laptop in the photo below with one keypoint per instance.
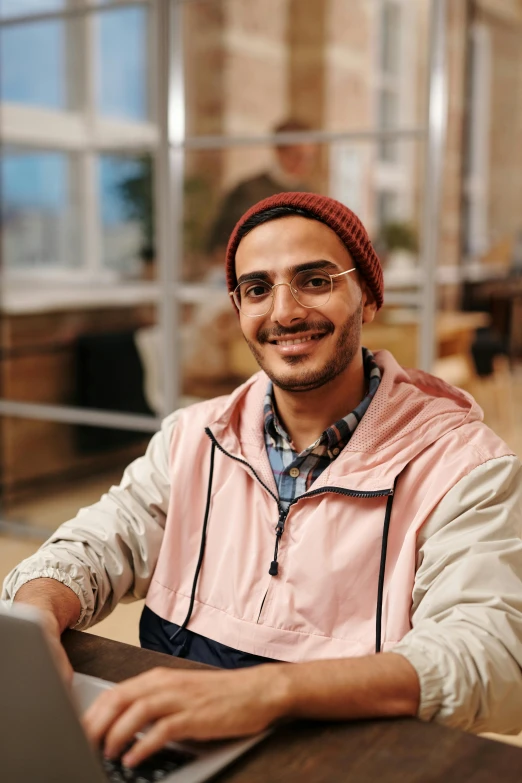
x,y
42,740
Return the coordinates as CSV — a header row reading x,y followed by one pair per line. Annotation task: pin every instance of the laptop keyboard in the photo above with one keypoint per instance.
x,y
155,768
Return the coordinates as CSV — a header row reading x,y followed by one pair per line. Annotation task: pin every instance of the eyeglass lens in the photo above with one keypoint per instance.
x,y
311,288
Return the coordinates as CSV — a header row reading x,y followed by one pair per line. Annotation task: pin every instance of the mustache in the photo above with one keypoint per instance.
x,y
280,332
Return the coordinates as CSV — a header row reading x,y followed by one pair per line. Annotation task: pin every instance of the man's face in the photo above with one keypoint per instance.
x,y
298,159
300,348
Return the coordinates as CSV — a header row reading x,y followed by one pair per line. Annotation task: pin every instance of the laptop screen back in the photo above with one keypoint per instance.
x,y
41,739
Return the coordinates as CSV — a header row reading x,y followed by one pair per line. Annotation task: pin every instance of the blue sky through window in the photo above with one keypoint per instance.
x,y
122,63
33,71
32,64
19,7
34,180
113,170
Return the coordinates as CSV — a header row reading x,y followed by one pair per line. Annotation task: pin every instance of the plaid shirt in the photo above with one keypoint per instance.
x,y
295,473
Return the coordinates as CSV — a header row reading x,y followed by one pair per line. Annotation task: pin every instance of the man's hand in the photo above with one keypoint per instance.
x,y
180,705
59,608
53,634
185,705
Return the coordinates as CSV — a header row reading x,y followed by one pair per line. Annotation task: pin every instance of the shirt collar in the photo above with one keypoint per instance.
x,y
337,435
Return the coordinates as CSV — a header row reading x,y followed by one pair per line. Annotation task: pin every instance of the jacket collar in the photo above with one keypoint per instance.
x,y
410,411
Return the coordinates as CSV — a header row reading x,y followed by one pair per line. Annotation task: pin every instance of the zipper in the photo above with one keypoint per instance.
x,y
243,462
274,566
279,530
353,493
283,513
280,527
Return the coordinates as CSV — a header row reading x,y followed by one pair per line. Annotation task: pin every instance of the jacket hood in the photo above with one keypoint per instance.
x,y
411,410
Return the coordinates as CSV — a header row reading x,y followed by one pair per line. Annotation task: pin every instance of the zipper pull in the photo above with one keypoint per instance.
x,y
279,528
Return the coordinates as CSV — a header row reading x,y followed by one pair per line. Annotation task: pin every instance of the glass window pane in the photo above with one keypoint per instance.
x,y
20,7
386,207
39,210
496,154
390,51
388,118
33,64
250,66
220,185
388,108
123,56
127,216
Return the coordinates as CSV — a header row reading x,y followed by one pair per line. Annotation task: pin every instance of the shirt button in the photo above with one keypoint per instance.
x,y
294,472
335,451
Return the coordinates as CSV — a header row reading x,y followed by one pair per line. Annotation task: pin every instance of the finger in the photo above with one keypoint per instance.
x,y
113,702
63,663
66,670
59,655
103,712
142,712
165,730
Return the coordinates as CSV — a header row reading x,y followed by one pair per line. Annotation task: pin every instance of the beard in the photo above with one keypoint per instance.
x,y
345,349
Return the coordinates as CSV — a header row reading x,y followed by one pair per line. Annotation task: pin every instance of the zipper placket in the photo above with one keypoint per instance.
x,y
283,513
243,462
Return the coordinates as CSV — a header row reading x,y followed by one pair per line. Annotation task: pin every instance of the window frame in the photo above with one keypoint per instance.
x,y
82,132
397,177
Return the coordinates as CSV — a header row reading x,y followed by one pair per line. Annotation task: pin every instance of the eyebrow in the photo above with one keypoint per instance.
x,y
321,263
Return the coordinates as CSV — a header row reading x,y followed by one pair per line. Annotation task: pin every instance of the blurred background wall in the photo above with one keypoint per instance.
x,y
134,135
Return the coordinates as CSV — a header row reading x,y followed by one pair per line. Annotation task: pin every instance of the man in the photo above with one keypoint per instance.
x,y
333,507
290,170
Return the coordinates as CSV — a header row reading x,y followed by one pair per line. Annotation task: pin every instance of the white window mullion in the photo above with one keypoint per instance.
x,y
91,192
395,177
476,184
90,212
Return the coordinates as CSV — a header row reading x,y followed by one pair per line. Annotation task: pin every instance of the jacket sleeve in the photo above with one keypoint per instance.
x,y
110,549
466,637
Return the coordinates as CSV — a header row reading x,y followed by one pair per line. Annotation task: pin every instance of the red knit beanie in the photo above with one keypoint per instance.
x,y
336,216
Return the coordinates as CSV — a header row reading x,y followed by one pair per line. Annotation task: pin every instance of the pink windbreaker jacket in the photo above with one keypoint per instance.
x,y
348,541
410,540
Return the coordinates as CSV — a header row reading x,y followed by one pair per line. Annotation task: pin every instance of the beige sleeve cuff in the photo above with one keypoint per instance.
x,y
22,577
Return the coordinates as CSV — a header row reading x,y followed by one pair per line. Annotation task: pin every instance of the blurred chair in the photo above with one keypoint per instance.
x,y
109,376
485,373
494,392
493,385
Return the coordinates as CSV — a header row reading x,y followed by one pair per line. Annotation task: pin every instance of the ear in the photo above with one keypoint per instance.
x,y
368,302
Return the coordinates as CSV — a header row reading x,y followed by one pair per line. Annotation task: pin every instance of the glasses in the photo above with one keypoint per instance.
x,y
310,288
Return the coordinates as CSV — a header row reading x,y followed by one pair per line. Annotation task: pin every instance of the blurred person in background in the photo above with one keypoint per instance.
x,y
207,334
344,533
291,170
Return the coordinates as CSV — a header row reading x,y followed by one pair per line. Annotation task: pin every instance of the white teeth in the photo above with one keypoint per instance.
x,y
297,341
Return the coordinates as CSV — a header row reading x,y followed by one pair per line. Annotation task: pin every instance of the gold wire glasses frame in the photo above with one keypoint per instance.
x,y
310,288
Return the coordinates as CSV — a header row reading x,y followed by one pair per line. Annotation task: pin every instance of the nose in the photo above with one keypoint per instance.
x,y
286,309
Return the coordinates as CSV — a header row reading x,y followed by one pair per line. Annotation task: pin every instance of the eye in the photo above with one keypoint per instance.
x,y
313,280
255,289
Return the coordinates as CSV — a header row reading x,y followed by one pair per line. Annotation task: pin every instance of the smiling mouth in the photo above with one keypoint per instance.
x,y
297,340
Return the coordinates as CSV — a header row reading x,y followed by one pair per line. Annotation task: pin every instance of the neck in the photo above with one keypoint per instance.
x,y
306,415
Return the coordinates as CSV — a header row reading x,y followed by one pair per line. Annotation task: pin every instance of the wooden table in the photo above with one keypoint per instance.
x,y
386,751
454,334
